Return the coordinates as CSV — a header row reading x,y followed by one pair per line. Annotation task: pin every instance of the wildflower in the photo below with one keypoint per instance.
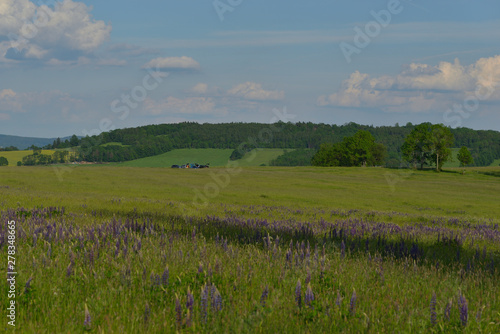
x,y
204,302
464,310
309,297
433,309
165,276
264,295
69,270
88,320
342,249
298,294
352,304
28,286
447,311
178,311
189,301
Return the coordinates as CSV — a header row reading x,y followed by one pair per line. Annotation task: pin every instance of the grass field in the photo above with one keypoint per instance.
x,y
14,156
216,158
131,250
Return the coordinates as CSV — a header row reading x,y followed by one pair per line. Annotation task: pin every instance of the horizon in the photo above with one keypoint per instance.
x,y
84,67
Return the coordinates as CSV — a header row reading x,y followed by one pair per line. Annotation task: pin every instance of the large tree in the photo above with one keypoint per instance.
x,y
465,157
358,150
417,148
441,141
4,161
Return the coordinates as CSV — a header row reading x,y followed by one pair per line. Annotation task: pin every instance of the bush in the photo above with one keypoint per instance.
x,y
4,161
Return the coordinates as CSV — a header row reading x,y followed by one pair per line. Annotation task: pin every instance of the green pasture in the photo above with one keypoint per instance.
x,y
448,193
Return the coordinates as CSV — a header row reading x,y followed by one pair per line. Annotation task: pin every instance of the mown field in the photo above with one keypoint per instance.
x,y
212,156
107,249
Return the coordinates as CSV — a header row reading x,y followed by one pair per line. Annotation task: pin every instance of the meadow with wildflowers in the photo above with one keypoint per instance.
x,y
288,250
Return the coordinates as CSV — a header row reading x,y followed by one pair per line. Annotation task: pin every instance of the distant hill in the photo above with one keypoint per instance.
x,y
25,142
152,140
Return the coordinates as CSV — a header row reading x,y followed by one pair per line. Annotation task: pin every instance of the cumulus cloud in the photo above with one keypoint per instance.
x,y
254,91
65,31
173,63
419,87
173,105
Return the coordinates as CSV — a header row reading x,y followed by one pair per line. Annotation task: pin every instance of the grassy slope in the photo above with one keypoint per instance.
x,y
448,194
15,156
216,158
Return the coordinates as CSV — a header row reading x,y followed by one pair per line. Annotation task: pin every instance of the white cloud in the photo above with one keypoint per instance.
x,y
254,91
14,102
40,32
419,87
190,105
173,63
200,88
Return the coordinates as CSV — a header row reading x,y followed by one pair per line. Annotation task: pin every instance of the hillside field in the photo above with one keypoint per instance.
x,y
14,156
236,249
215,157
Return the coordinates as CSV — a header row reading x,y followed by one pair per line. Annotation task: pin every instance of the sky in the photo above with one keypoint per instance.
x,y
83,67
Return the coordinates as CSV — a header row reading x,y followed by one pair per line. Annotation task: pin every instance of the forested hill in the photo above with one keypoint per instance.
x,y
133,143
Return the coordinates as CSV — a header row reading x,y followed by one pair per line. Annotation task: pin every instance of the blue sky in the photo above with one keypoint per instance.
x,y
82,67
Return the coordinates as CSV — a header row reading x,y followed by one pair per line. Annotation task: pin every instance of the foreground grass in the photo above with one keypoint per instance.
x,y
372,245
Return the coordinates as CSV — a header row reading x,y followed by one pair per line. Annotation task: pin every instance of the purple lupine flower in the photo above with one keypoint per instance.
x,y
147,312
308,277
309,297
447,311
264,295
342,249
178,311
204,302
200,268
433,309
28,285
189,301
298,294
464,310
352,304
165,276
217,300
69,270
87,323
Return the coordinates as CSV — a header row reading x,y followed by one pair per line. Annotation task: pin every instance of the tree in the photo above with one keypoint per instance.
x,y
358,150
417,147
4,161
74,141
464,157
441,141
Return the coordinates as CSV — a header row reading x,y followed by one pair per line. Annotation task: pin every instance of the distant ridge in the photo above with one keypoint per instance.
x,y
25,142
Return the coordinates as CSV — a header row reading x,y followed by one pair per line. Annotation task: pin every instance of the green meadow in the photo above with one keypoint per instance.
x,y
102,248
212,156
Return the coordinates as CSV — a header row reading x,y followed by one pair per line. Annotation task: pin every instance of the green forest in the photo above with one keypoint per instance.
x,y
301,140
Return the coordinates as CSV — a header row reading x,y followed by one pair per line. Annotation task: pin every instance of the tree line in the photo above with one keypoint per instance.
x,y
133,143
